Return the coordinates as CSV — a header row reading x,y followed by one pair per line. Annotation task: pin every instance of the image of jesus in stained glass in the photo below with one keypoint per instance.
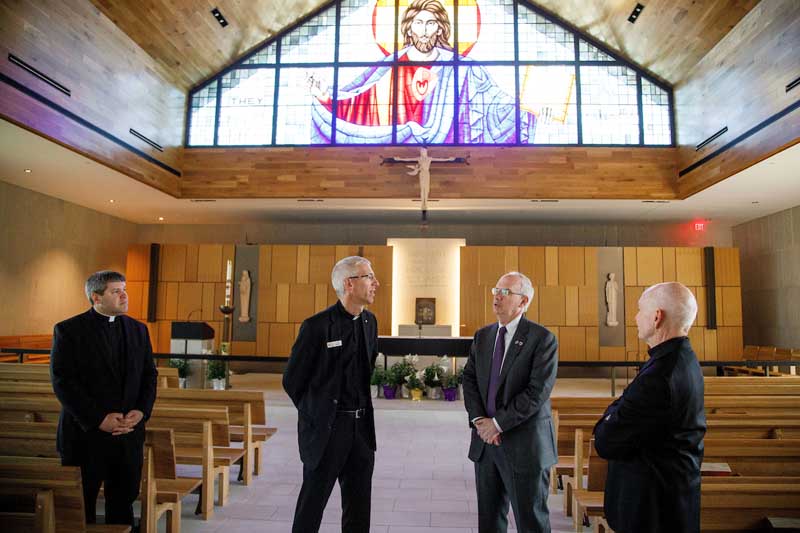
x,y
426,95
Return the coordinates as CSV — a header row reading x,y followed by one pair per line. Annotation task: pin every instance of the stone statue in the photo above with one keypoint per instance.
x,y
612,288
244,296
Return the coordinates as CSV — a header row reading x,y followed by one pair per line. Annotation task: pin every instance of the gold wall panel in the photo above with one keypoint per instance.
x,y
531,263
320,264
190,301
726,267
192,258
572,343
590,266
689,266
282,303
209,259
587,306
551,306
284,263
491,264
281,338
301,302
571,306
571,265
302,263
729,343
669,264
173,262
551,266
649,266
629,266
710,348
592,343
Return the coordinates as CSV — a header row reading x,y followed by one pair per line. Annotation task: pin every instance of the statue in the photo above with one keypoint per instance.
x,y
244,296
611,300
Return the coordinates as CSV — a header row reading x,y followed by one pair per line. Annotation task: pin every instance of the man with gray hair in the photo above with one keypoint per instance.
x,y
327,378
101,365
653,434
508,378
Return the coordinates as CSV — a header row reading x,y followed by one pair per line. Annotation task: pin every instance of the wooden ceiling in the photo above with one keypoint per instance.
x,y
669,38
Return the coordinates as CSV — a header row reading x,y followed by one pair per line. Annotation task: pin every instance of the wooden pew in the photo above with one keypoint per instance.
x,y
167,376
586,500
21,473
249,429
733,507
26,510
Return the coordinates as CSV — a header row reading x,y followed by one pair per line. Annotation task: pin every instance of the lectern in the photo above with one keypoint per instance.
x,y
193,338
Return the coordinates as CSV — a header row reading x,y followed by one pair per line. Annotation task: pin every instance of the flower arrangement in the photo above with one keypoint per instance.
x,y
215,370
450,381
414,380
432,375
182,365
378,376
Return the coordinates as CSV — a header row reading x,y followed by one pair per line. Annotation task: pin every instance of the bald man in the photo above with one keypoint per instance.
x,y
653,434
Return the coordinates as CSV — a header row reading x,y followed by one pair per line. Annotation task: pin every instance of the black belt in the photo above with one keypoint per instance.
x,y
355,413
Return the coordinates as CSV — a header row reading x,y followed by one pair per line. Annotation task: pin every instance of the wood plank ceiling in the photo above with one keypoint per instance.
x,y
669,38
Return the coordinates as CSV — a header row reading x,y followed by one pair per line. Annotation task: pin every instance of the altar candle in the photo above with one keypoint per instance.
x,y
228,282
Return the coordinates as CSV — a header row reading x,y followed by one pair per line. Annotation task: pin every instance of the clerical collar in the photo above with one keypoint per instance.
x,y
668,346
345,312
101,316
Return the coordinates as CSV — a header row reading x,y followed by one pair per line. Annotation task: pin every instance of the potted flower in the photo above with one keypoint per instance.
x,y
450,386
215,372
391,379
376,380
183,370
407,366
432,380
460,376
415,385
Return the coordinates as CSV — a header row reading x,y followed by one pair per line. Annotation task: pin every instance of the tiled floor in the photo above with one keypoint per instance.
x,y
423,481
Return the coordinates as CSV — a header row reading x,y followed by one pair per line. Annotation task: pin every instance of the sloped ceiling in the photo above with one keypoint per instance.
x,y
668,39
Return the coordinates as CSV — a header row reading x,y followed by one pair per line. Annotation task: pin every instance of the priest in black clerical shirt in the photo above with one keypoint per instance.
x,y
103,374
327,378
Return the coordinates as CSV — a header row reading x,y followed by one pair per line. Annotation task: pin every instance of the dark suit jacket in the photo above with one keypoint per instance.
x,y
87,386
313,379
523,397
652,437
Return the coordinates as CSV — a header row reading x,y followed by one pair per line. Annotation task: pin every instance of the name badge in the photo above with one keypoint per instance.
x,y
334,344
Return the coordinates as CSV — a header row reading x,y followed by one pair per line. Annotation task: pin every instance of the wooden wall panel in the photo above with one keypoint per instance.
x,y
282,302
262,338
731,305
219,299
284,263
281,339
243,347
726,267
649,266
190,301
702,314
629,266
572,344
320,297
632,295
209,261
689,266
510,259
533,309
555,172
301,302
588,306
268,304
264,266
135,299
551,306
164,336
382,259
302,263
592,343
571,265
137,266
469,265
114,84
710,348
471,316
171,301
531,263
669,264
551,265
345,250
208,302
697,340
192,257
611,353
173,262
590,266
491,264
729,344
320,263
571,306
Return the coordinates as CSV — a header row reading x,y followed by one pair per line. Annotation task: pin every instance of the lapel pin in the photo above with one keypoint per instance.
x,y
518,343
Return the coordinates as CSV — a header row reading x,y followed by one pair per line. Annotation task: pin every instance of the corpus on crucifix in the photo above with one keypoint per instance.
x,y
422,168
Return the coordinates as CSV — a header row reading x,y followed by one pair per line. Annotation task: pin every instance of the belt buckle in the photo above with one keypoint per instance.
x,y
359,413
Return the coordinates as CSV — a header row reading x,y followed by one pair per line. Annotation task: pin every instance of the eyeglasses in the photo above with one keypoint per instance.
x,y
504,292
370,277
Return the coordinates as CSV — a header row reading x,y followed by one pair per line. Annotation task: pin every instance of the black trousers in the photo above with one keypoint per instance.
x,y
498,484
349,459
116,463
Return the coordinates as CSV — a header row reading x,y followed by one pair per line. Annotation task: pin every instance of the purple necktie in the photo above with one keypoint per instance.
x,y
494,377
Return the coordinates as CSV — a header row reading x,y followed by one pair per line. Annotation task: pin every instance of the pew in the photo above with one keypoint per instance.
x,y
27,510
167,376
33,473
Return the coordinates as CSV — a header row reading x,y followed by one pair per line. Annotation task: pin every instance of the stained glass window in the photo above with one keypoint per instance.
x,y
467,72
549,94
247,101
655,112
201,115
608,103
542,40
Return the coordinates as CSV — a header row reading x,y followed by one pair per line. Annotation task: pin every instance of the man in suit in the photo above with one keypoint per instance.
x,y
507,383
102,369
327,378
653,434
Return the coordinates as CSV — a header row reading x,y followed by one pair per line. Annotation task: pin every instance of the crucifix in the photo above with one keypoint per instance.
x,y
422,168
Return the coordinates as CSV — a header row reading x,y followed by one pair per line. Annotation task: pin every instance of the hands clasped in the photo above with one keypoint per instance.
x,y
488,431
119,424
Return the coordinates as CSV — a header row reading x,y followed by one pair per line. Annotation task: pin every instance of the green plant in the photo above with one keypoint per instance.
x,y
182,365
413,381
395,375
215,370
460,375
449,381
432,375
378,375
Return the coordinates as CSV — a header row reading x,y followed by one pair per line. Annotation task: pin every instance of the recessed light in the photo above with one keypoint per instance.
x,y
28,171
111,201
755,202
160,218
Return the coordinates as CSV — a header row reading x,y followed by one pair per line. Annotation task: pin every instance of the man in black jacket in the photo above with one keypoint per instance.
x,y
653,434
327,378
102,369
